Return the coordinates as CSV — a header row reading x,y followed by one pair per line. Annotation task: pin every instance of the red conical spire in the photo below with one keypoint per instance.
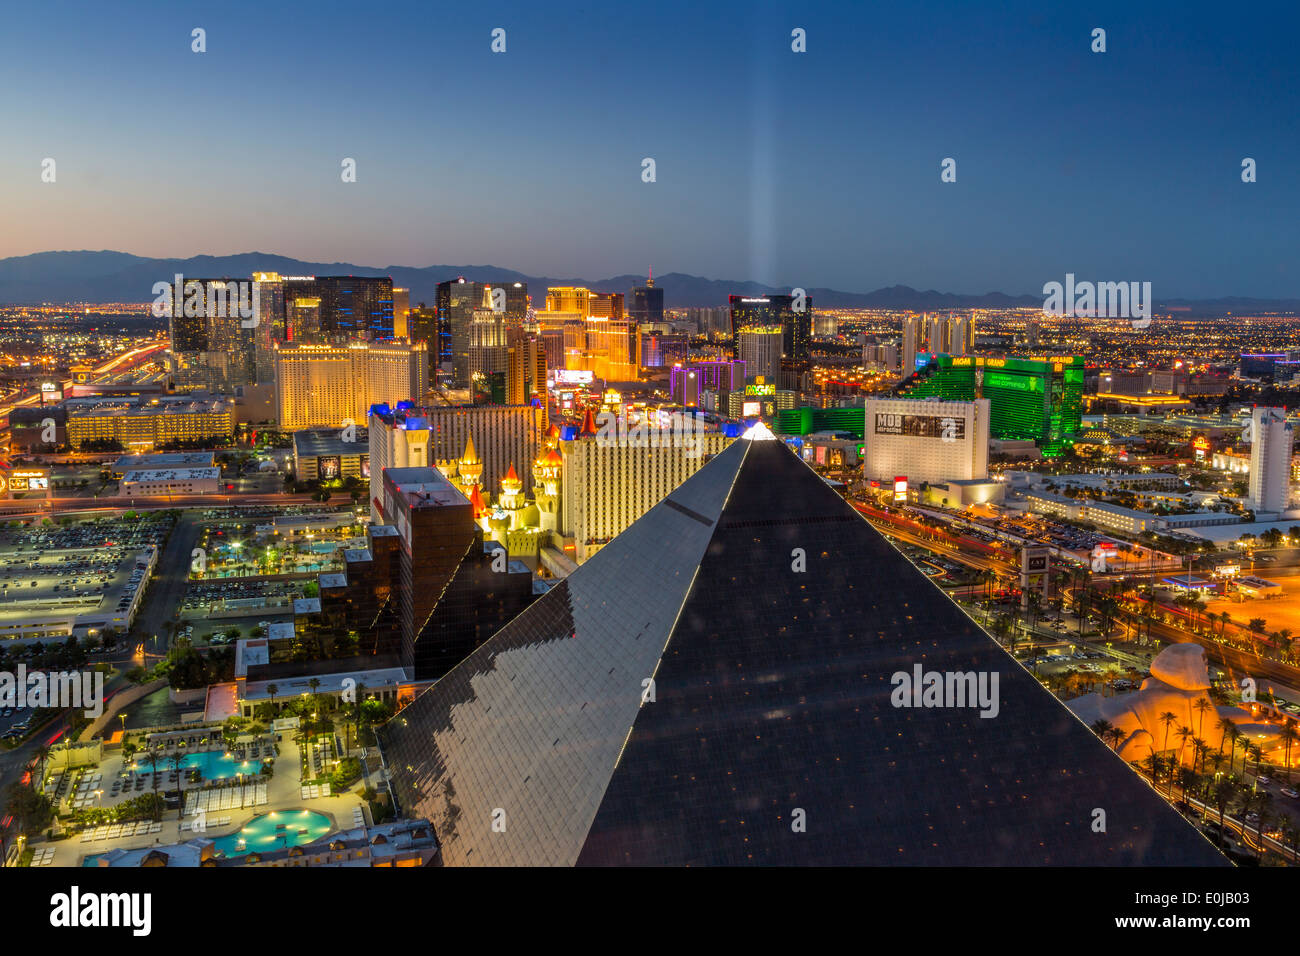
x,y
588,424
476,502
510,474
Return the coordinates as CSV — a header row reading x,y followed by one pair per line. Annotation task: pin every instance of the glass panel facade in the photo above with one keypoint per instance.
x,y
771,737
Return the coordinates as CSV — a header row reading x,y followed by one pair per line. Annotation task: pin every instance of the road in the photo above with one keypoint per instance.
x,y
1232,659
48,506
169,584
136,356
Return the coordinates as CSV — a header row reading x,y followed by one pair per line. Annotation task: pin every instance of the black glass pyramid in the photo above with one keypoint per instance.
x,y
716,686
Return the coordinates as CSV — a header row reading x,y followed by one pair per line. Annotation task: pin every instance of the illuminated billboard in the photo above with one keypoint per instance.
x,y
329,466
751,409
29,481
944,427
900,488
574,376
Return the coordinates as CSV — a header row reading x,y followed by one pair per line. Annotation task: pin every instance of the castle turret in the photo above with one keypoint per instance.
x,y
469,468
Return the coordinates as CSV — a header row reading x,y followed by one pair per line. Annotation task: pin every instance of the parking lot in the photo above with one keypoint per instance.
x,y
57,574
211,598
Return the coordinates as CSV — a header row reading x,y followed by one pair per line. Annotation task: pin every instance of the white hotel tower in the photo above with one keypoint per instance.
x,y
1270,461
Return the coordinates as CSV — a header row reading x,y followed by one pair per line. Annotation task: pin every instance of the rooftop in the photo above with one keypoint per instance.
x,y
172,474
424,487
313,442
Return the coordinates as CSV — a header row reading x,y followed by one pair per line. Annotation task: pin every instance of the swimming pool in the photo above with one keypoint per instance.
x,y
270,831
275,831
213,764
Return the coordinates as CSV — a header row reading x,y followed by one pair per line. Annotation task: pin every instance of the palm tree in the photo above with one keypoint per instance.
x,y
1264,808
1152,766
1234,735
1284,642
271,689
1116,738
1216,760
1201,706
1290,834
1256,754
41,753
1243,802
1184,734
1168,718
1189,780
151,757
1225,727
1288,736
314,683
1198,753
1224,793
177,760
359,690
1102,727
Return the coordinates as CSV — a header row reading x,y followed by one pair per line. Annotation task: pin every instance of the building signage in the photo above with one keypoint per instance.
x,y
944,427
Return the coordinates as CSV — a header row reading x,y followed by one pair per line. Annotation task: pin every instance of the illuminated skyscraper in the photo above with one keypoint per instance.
x,y
270,326
774,311
605,305
359,307
356,308
912,335
567,298
607,485
760,350
303,318
1272,438
647,302
318,386
525,369
214,327
515,302
487,346
457,300
401,310
1038,399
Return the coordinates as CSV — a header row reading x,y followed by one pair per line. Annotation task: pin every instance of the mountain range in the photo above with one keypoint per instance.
x,y
106,276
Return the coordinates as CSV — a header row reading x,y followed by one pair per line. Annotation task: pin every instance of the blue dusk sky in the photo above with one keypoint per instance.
x,y
813,169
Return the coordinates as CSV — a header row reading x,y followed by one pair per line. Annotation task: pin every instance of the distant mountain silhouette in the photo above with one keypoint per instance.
x,y
108,276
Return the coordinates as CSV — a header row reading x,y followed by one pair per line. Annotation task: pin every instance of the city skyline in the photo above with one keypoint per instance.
x,y
596,435
821,168
82,277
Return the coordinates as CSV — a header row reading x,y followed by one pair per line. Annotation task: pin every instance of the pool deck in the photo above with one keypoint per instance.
x,y
284,792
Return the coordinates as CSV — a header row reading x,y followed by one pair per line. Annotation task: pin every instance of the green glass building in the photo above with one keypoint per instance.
x,y
1036,399
806,421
